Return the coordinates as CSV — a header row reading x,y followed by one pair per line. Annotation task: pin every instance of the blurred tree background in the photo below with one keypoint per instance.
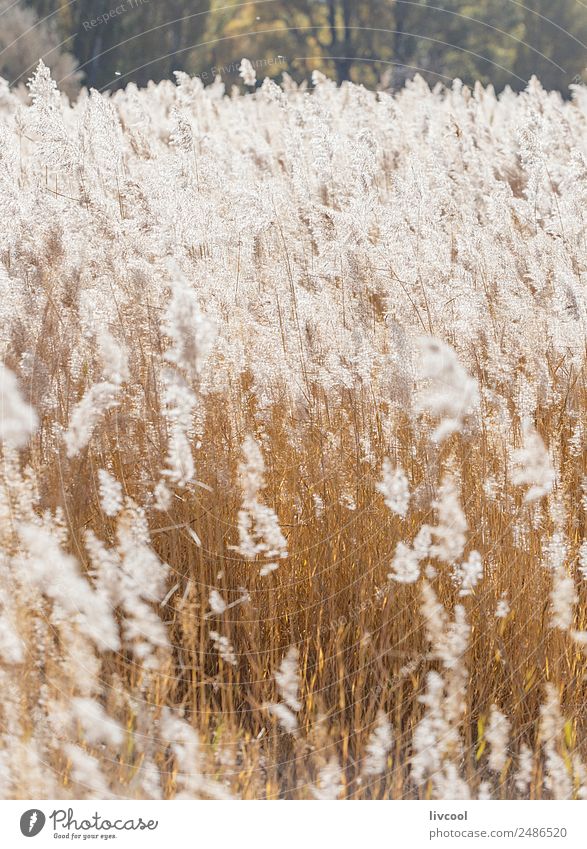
x,y
107,43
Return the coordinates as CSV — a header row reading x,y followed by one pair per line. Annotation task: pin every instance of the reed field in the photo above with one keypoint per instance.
x,y
293,489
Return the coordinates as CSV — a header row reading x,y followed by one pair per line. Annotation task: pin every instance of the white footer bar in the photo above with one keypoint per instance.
x,y
356,825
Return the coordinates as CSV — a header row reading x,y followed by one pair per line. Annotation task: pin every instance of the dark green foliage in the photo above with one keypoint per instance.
x,y
503,42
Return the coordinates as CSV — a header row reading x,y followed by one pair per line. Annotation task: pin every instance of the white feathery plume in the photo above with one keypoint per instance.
x,y
450,394
192,338
449,534
182,135
86,771
180,402
497,735
525,770
432,734
484,791
532,465
224,648
286,718
98,400
111,497
563,598
100,397
131,577
330,784
114,357
18,421
161,497
217,603
46,120
469,573
583,559
405,565
406,560
378,747
258,525
248,73
12,646
97,726
190,779
555,551
142,582
288,681
395,489
503,608
288,686
449,784
191,333
557,778
57,575
437,743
